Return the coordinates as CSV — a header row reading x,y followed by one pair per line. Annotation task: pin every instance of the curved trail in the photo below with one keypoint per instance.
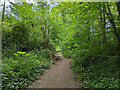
x,y
59,75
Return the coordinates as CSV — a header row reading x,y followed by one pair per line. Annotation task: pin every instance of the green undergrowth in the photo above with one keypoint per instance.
x,y
22,68
95,66
97,71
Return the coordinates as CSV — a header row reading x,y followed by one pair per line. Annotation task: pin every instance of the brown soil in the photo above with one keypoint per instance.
x,y
59,75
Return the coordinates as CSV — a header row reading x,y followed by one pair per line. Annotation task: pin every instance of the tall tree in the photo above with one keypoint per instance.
x,y
2,17
104,24
112,21
118,9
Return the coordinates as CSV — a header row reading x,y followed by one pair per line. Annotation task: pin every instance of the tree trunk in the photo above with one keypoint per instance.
x,y
1,40
113,24
118,8
42,8
104,25
44,32
2,18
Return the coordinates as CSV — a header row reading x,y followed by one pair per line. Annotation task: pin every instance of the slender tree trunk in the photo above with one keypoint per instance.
x,y
113,24
1,31
101,25
42,8
63,15
46,39
118,8
42,26
44,32
2,18
1,42
104,25
116,30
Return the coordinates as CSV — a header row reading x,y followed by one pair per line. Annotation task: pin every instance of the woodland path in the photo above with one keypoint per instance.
x,y
59,75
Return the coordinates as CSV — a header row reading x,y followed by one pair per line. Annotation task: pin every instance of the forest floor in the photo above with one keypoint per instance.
x,y
59,75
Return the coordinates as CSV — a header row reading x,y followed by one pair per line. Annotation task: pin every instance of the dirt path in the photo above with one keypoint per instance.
x,y
59,75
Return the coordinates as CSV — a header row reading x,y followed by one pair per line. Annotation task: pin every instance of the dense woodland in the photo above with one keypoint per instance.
x,y
87,32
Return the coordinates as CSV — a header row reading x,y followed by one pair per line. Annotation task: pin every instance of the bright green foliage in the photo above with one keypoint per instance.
x,y
25,54
98,74
93,48
22,68
84,31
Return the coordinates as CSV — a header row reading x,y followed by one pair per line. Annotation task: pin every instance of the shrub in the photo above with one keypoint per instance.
x,y
22,68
